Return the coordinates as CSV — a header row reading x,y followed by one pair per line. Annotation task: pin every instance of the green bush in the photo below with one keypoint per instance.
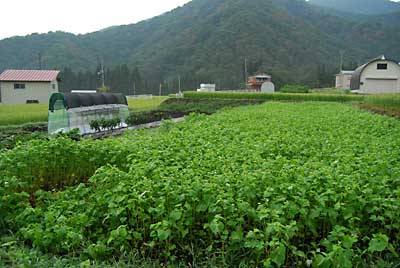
x,y
273,96
294,89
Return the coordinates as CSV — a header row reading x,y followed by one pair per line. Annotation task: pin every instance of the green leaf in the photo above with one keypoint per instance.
x,y
237,236
348,241
378,243
175,215
278,255
163,234
216,226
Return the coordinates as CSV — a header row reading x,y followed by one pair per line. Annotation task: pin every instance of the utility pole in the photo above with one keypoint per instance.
x,y
102,72
245,72
160,89
179,85
341,59
134,88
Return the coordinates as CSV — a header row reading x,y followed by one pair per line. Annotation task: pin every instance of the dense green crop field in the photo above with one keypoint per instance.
x,y
273,185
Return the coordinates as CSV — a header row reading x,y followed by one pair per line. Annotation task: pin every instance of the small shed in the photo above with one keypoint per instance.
x,y
343,79
28,86
68,111
380,75
206,88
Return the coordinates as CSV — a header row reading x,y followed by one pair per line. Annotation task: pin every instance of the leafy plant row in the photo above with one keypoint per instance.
x,y
59,162
274,185
105,124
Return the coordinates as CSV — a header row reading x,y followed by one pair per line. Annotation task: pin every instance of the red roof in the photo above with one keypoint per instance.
x,y
29,75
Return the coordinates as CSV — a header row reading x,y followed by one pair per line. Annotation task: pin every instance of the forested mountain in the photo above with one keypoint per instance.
x,y
360,6
208,40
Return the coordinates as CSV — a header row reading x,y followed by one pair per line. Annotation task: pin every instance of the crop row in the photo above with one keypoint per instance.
x,y
271,185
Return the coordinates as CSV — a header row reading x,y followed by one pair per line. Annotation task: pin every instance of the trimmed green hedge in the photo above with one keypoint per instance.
x,y
272,96
295,89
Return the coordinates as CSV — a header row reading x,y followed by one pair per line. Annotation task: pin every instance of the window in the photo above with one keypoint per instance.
x,y
54,86
382,66
19,86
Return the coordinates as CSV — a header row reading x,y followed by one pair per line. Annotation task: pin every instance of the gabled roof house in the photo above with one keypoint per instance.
x,y
28,86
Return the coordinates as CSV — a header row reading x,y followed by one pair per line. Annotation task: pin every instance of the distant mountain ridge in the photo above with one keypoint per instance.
x,y
367,7
209,40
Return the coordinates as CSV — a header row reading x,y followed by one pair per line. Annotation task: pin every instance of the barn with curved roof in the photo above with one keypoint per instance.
x,y
380,75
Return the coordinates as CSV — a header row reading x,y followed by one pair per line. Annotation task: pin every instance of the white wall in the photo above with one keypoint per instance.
x,y
343,81
376,81
40,91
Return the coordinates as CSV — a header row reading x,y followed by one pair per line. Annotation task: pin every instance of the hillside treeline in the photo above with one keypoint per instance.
x,y
132,81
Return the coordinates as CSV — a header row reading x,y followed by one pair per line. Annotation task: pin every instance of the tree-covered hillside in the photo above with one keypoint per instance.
x,y
208,40
360,6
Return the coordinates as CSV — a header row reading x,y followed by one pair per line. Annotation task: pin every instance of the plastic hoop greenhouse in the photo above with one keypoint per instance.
x,y
68,111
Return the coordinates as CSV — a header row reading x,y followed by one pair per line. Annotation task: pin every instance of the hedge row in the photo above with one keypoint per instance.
x,y
274,96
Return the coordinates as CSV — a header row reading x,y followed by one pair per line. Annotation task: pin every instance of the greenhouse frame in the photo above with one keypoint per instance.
x,y
69,111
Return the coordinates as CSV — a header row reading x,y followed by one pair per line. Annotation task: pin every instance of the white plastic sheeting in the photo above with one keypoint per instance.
x,y
62,120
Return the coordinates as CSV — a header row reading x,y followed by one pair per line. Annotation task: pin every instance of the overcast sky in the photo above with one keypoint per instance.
x,y
22,17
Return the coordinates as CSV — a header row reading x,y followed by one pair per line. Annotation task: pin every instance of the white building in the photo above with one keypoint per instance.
x,y
206,88
27,86
343,79
380,75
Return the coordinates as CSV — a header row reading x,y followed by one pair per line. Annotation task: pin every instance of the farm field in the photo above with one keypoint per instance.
x,y
145,104
388,104
31,113
274,185
23,113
